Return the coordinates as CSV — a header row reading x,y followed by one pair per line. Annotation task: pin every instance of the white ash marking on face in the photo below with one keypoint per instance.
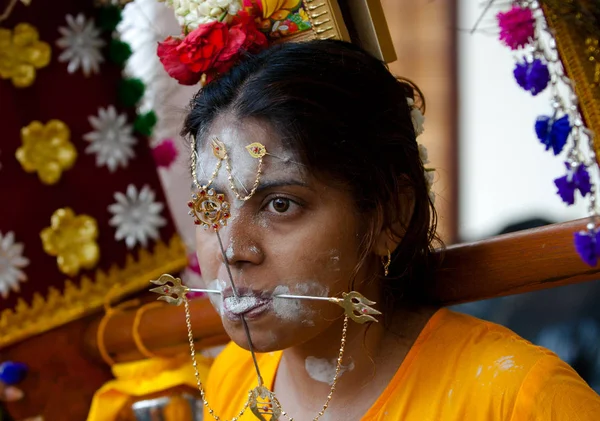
x,y
323,369
297,309
230,253
216,299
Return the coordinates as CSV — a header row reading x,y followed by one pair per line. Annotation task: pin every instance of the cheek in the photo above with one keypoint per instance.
x,y
299,310
325,254
207,251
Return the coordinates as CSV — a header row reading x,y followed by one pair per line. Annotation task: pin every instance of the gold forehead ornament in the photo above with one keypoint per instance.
x,y
209,208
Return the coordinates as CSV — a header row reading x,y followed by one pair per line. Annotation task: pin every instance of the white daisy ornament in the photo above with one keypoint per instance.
x,y
81,43
12,262
111,140
136,216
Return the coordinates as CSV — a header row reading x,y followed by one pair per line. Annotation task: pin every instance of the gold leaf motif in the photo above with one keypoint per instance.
x,y
21,53
56,309
46,150
256,150
72,239
174,293
263,404
218,148
358,308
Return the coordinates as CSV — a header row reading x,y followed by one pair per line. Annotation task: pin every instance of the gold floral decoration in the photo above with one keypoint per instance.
x,y
47,150
72,239
21,53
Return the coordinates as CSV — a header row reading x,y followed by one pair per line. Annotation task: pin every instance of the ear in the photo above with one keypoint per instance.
x,y
390,235
387,241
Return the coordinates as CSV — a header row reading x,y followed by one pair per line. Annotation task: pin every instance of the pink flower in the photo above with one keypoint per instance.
x,y
516,27
165,153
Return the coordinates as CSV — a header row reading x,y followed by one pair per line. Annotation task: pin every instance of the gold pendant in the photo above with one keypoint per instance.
x,y
209,209
263,403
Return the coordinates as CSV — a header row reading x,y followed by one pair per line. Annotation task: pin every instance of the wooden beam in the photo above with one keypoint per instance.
x,y
162,331
526,261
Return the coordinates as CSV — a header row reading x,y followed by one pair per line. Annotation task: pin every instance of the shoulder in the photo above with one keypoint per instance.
x,y
480,340
499,372
553,390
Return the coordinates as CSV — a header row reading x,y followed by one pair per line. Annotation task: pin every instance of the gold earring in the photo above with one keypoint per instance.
x,y
386,261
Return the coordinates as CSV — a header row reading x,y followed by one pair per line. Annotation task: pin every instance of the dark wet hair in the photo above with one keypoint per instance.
x,y
347,117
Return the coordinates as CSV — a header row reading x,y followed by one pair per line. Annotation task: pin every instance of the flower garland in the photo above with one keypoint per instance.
x,y
130,90
524,29
213,39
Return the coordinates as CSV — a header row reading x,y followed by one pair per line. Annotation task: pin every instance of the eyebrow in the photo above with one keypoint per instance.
x,y
267,185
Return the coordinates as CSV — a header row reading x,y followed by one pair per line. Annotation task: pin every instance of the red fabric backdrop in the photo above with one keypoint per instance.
x,y
26,204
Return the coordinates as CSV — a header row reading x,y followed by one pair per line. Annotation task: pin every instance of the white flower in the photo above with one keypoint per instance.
x,y
429,178
193,13
81,42
111,139
136,216
423,154
11,263
417,117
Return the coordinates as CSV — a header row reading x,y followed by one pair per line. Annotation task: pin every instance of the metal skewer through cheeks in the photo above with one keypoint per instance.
x,y
356,306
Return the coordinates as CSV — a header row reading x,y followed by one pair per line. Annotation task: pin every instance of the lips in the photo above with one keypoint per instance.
x,y
249,303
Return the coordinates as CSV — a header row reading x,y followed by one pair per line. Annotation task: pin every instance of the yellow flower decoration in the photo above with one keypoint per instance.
x,y
21,53
72,239
47,150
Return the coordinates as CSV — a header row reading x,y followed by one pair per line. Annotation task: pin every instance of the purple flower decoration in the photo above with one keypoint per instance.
x,y
553,133
587,244
577,178
516,27
12,373
532,77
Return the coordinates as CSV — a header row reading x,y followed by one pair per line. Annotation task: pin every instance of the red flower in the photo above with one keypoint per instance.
x,y
169,57
211,49
201,47
255,40
243,36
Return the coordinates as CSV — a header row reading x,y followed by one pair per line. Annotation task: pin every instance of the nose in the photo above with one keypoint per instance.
x,y
241,244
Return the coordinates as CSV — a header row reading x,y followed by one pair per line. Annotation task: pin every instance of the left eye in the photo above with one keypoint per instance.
x,y
280,204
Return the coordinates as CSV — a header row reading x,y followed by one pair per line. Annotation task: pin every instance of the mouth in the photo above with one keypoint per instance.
x,y
250,304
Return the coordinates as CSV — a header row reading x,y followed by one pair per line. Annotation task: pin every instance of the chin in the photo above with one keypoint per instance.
x,y
267,335
262,341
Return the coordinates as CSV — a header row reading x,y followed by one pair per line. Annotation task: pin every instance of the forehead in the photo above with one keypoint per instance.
x,y
237,133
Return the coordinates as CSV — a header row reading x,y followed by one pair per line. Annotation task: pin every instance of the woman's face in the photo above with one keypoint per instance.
x,y
295,235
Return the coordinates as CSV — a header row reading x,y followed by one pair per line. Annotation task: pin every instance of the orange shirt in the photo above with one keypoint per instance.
x,y
459,369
